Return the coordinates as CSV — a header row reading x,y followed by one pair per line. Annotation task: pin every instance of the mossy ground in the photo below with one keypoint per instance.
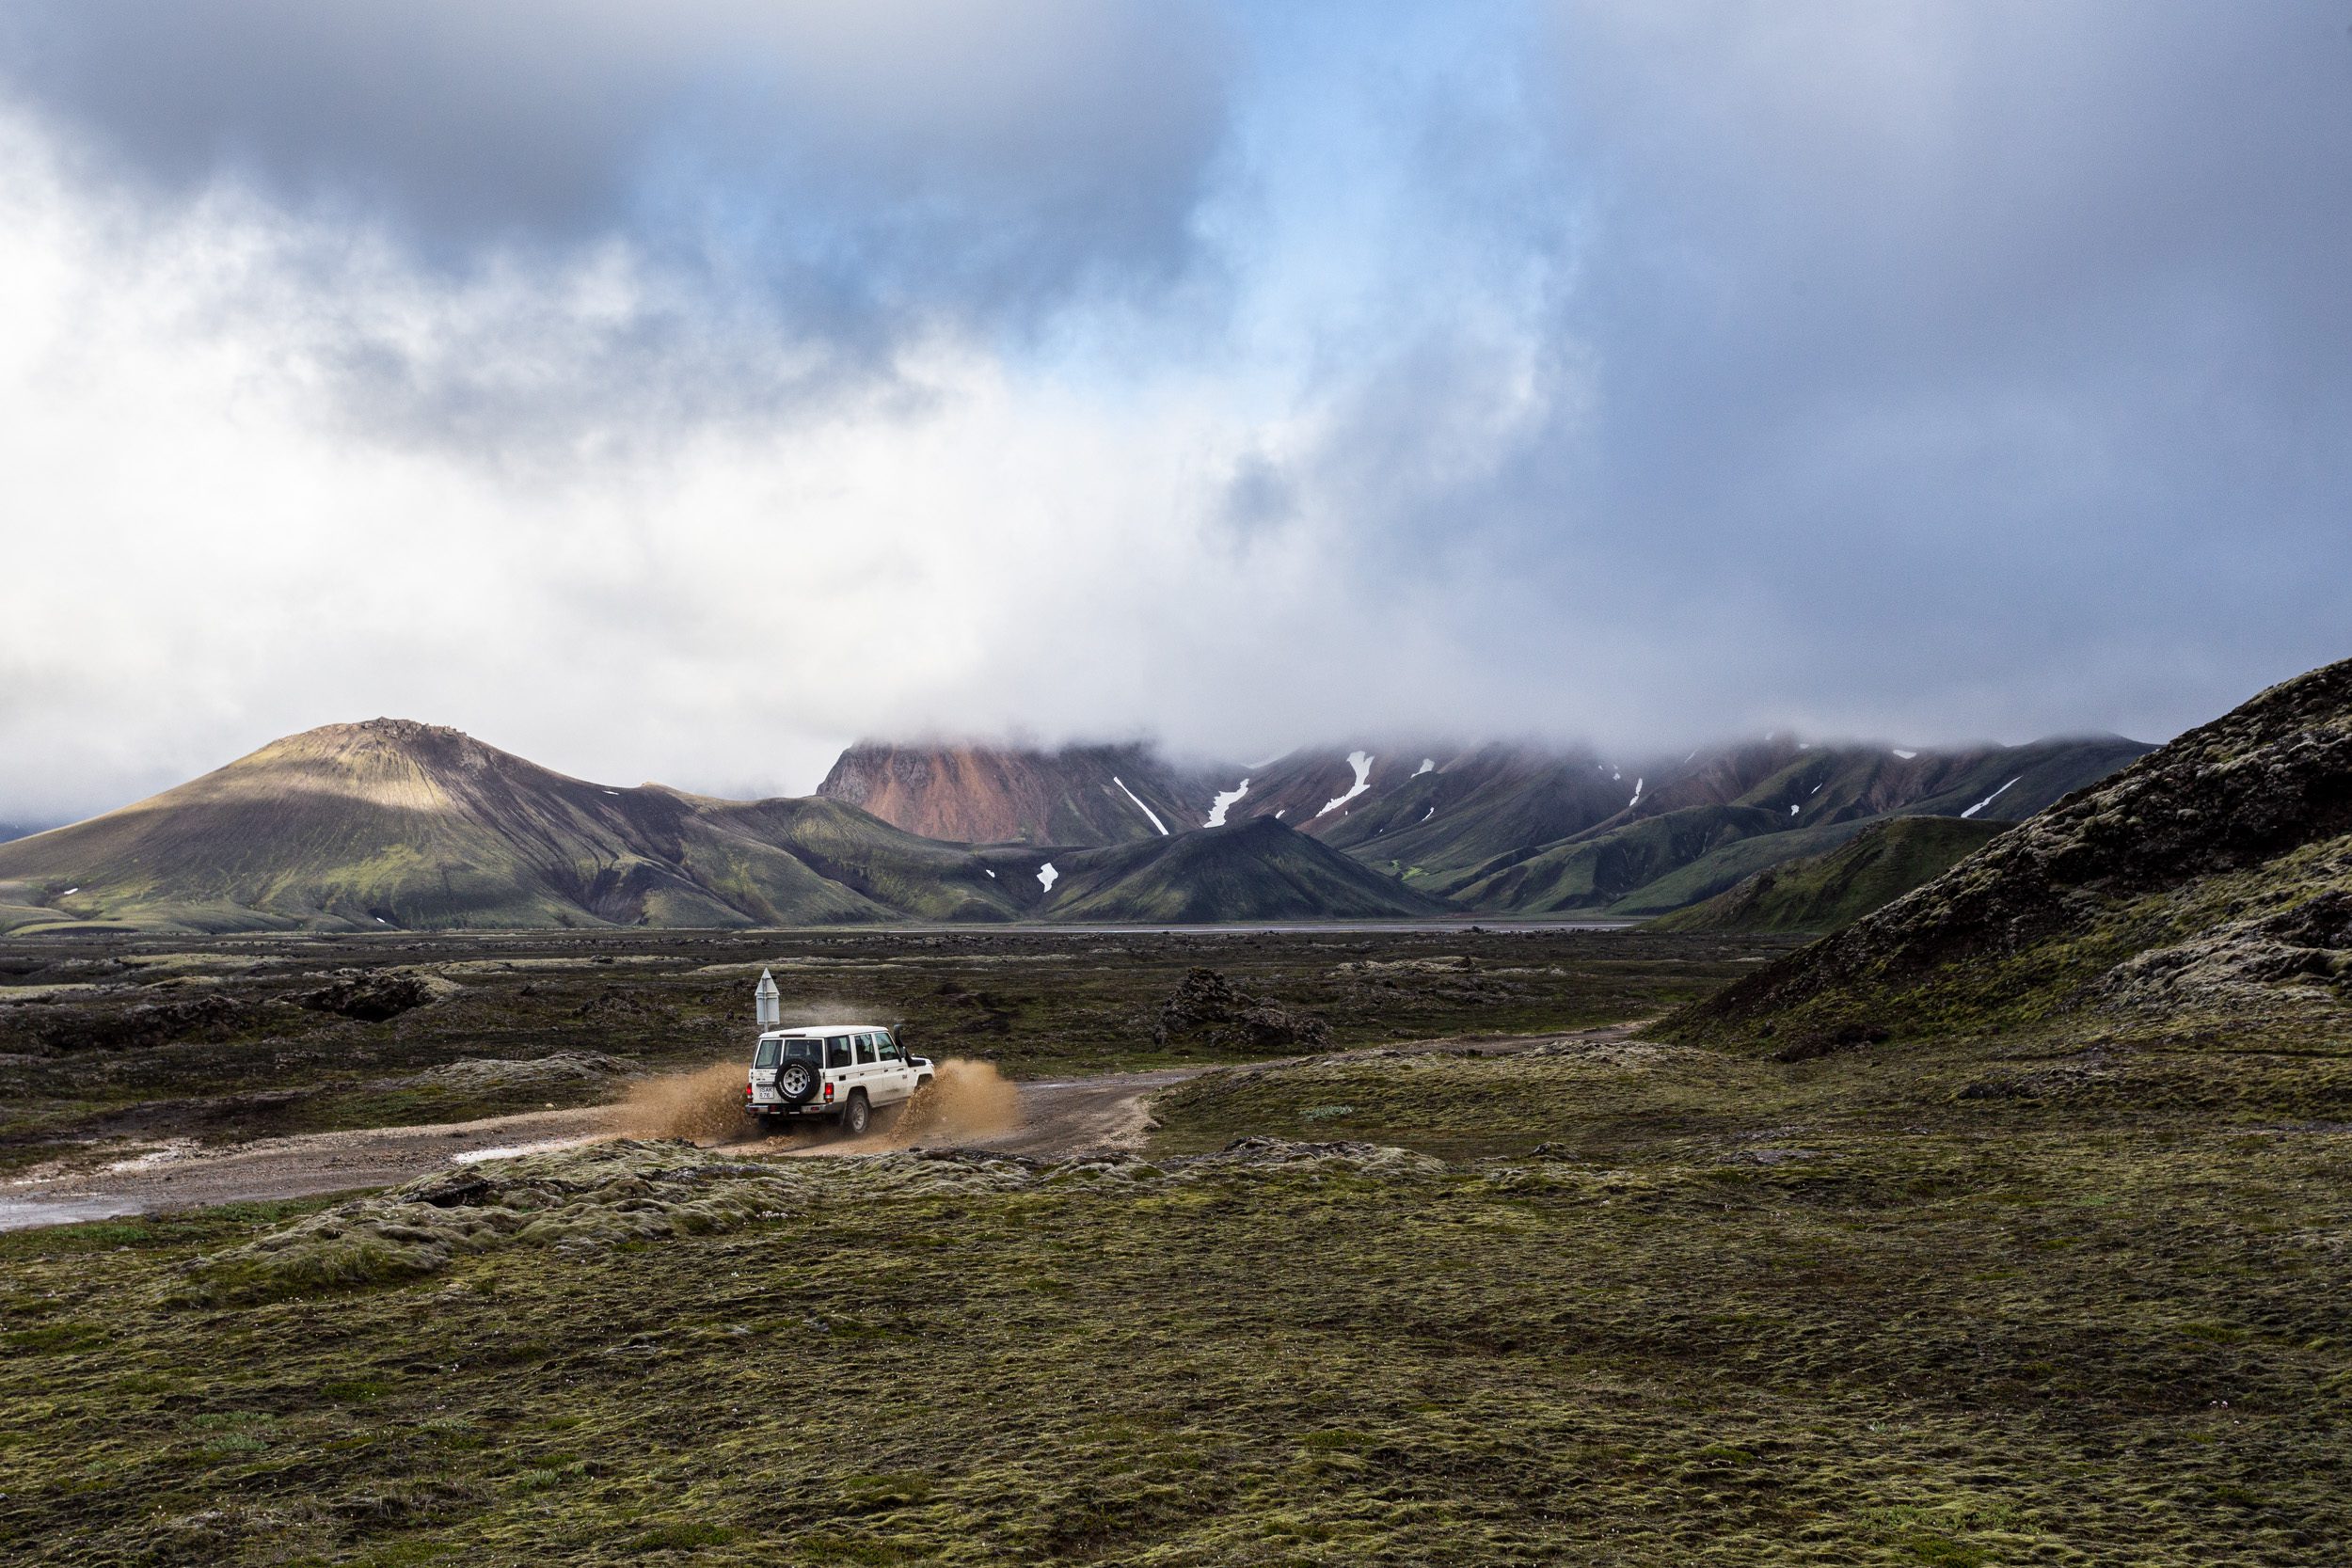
x,y
1737,1312
2075,1290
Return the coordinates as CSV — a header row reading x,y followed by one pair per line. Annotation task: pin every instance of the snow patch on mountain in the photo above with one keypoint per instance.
x,y
1139,805
1361,762
1045,876
1989,800
1226,800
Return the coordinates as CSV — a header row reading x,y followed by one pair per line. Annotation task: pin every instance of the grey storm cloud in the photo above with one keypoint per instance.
x,y
821,181
1054,132
1971,349
1631,372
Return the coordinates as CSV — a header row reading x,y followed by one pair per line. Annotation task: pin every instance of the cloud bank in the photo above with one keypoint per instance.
x,y
687,392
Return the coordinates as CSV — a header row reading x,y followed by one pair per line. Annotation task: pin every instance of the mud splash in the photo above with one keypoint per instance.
x,y
966,1100
705,1106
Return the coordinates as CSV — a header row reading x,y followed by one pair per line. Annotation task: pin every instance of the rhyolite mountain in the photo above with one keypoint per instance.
x,y
1822,893
1078,795
2201,895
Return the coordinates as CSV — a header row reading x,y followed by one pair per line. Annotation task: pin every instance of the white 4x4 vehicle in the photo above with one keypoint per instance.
x,y
842,1071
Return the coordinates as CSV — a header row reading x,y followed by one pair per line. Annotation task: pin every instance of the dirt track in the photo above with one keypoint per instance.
x,y
1061,1115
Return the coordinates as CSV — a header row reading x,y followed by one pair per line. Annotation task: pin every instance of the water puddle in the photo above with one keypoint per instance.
x,y
23,1214
509,1151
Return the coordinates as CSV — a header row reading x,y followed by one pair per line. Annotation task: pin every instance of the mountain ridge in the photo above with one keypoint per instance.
x,y
397,823
2213,875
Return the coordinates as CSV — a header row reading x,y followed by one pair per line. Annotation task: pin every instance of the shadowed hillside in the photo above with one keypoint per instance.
x,y
1703,827
1820,893
2207,889
1255,870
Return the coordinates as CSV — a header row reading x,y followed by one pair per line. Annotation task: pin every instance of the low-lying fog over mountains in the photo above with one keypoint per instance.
x,y
393,824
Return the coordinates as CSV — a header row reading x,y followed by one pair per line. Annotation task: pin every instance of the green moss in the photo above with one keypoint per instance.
x,y
1675,1346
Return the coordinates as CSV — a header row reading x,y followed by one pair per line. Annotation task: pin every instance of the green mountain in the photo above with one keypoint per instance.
x,y
1670,847
397,824
1820,893
1476,806
2203,894
1260,869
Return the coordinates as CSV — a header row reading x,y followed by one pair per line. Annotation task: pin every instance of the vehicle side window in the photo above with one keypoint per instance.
x,y
866,1048
767,1053
890,1052
837,1050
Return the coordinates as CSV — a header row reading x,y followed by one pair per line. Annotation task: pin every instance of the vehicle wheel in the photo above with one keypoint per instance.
x,y
796,1082
857,1116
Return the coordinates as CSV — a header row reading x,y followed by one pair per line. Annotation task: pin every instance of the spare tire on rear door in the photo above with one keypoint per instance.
x,y
796,1082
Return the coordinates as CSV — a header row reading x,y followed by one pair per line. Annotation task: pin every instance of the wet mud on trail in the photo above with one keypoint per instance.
x,y
1053,1116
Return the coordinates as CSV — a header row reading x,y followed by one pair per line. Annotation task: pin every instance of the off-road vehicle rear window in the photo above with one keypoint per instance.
x,y
769,1054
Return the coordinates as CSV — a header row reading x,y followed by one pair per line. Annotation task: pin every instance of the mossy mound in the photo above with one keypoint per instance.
x,y
591,1197
604,1196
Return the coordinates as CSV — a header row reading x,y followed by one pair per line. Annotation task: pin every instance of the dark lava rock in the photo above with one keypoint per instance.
x,y
209,1018
1210,1008
370,998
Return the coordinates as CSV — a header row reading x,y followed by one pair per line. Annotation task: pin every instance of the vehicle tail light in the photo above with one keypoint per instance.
x,y
828,1091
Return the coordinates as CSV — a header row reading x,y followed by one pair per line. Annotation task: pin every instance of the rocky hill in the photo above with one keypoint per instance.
x,y
2207,886
1822,893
